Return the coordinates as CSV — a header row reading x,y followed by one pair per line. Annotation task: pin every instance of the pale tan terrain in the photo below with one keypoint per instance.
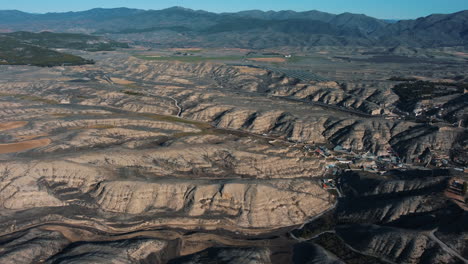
x,y
152,161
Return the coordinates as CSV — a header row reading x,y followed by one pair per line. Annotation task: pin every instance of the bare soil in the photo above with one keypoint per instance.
x,y
12,125
25,145
268,59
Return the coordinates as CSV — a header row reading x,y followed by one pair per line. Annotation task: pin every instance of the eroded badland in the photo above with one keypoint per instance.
x,y
155,156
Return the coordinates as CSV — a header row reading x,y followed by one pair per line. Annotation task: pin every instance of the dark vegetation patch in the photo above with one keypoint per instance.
x,y
27,48
14,52
133,93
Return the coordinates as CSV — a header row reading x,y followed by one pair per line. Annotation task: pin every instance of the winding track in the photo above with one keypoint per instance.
x,y
445,247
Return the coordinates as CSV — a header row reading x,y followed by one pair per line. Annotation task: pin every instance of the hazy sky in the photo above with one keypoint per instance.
x,y
377,8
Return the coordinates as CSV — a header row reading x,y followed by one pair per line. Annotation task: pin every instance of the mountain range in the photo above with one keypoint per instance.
x,y
253,29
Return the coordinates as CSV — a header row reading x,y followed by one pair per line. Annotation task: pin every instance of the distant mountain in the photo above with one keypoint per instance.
x,y
345,20
61,22
66,40
433,30
104,19
251,29
284,15
391,21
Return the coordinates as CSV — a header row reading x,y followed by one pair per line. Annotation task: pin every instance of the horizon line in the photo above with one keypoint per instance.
x,y
224,12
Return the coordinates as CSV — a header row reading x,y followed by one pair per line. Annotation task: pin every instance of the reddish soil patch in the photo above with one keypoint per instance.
x,y
24,145
12,125
276,59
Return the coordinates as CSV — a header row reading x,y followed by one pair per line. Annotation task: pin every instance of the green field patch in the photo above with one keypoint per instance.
x,y
133,93
295,59
132,85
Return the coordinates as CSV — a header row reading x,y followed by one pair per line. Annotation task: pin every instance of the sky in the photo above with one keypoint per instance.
x,y
388,9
